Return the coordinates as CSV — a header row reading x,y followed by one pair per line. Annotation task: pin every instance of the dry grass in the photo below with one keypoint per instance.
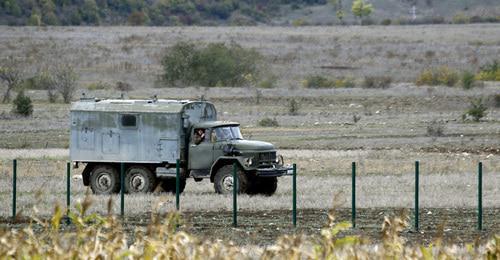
x,y
104,237
384,178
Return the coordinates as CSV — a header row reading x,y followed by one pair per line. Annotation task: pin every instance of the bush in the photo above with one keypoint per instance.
x,y
490,72
435,128
468,80
316,81
98,86
377,82
386,22
214,65
477,110
268,122
496,100
123,86
460,18
23,104
440,76
293,107
269,82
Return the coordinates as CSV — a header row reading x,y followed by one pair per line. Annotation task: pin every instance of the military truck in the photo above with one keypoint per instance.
x,y
150,136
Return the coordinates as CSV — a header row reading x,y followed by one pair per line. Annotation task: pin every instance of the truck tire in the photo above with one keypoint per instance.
x,y
139,179
267,186
104,179
168,185
264,186
223,181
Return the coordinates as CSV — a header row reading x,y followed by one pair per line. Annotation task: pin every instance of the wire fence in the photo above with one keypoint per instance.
x,y
293,196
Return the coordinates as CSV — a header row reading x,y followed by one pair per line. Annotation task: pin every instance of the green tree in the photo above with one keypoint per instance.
x,y
361,9
89,12
35,19
340,15
138,18
23,104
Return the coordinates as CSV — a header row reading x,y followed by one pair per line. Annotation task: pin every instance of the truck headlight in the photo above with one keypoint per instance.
x,y
279,159
248,161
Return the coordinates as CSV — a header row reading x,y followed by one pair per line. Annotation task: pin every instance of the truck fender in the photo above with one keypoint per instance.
x,y
86,173
220,163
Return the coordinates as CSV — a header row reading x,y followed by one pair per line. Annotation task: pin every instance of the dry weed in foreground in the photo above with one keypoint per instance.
x,y
98,237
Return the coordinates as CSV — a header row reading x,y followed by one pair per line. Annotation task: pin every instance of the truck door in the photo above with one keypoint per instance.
x,y
200,150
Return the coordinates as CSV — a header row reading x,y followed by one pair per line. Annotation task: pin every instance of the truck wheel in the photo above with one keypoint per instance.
x,y
268,186
223,181
168,185
104,179
139,179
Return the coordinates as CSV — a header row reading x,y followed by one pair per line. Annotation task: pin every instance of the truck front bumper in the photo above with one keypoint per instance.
x,y
274,172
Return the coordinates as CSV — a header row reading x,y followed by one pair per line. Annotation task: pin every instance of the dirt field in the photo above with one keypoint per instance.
x,y
391,131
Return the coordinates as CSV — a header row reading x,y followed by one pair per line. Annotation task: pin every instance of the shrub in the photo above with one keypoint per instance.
x,y
468,80
477,110
299,22
460,18
490,72
65,82
269,82
386,22
268,122
440,76
98,86
496,100
217,64
316,81
377,82
435,128
23,104
123,86
344,83
293,107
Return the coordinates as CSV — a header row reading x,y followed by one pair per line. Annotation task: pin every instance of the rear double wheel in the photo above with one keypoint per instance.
x,y
139,179
223,181
104,179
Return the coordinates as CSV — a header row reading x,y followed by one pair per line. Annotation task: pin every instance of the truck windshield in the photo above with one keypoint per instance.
x,y
228,133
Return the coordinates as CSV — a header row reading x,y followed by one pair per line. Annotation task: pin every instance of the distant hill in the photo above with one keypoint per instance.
x,y
246,12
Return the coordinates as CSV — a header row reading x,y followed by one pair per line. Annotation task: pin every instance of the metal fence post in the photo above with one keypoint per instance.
x,y
122,189
480,197
353,199
14,184
177,184
417,172
68,190
294,199
235,196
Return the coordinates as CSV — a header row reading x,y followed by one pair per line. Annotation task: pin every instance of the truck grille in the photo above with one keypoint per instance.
x,y
267,157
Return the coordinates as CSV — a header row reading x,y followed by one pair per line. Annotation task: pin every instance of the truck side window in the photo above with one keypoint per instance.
x,y
129,120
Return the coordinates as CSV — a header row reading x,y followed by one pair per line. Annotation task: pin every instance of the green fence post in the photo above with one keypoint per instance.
x,y
177,183
480,197
294,199
353,199
68,190
235,196
14,184
417,172
122,190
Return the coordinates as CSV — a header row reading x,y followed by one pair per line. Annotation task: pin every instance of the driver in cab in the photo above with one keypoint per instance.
x,y
199,136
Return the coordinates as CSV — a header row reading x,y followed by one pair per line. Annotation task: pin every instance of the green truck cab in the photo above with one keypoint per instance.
x,y
222,145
